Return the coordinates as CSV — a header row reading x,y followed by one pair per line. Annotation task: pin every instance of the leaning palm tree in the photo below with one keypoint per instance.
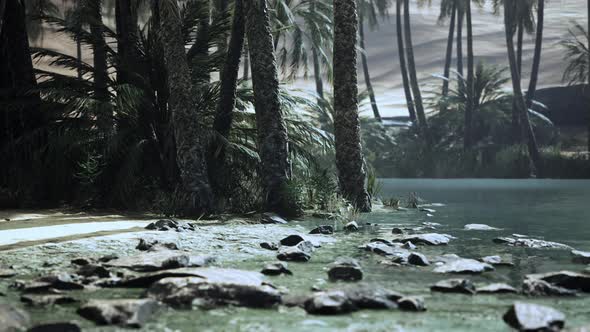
x,y
530,94
448,8
469,107
272,131
577,55
520,103
188,130
349,158
402,61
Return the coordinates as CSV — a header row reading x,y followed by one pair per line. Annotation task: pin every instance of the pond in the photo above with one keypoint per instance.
x,y
553,210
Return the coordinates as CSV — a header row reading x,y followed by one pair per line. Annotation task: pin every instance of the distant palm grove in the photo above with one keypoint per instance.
x,y
186,107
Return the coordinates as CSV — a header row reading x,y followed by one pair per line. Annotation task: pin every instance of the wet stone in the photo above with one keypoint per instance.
x,y
7,273
329,303
80,261
566,279
480,227
531,243
62,281
534,317
271,218
323,229
276,269
365,296
409,245
270,246
397,230
582,257
292,240
497,288
13,319
464,266
159,260
411,304
151,245
108,258
92,270
299,253
352,226
418,259
496,261
537,287
47,300
463,286
345,269
56,327
122,312
431,239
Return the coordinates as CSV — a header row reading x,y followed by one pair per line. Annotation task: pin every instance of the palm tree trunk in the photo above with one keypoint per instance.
x,y
317,70
530,94
588,30
246,73
460,16
366,69
189,133
272,131
519,42
199,51
229,74
449,54
468,139
402,62
127,35
99,51
520,102
413,77
349,158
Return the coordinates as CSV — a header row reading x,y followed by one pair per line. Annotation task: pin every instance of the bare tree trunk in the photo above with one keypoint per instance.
x,y
588,30
349,158
246,73
469,108
317,70
199,51
449,54
520,102
530,94
366,69
188,131
519,42
127,37
461,15
402,62
99,50
271,127
423,124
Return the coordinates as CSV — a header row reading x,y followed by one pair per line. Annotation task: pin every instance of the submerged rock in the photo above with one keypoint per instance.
x,y
271,218
47,300
409,245
61,281
582,257
170,225
276,269
12,319
214,287
397,230
393,251
80,261
7,273
534,317
92,270
431,239
497,288
323,229
418,259
56,327
159,260
565,279
299,253
480,227
150,245
122,312
427,210
463,286
292,240
329,303
411,304
537,287
352,226
270,246
496,261
346,269
365,296
531,243
464,266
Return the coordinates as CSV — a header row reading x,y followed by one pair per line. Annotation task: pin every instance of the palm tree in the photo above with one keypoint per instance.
x,y
127,39
530,94
588,67
188,132
446,7
460,17
349,158
402,61
272,132
365,64
509,19
93,14
422,123
469,108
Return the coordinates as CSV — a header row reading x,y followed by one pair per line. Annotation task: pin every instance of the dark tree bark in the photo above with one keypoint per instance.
x,y
449,53
402,62
199,52
530,94
246,73
229,74
271,127
588,30
422,122
317,70
509,15
366,73
469,107
349,158
99,48
127,37
519,44
189,133
460,16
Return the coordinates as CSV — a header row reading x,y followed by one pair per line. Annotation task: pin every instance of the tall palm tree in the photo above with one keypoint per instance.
x,y
188,131
530,94
272,132
349,158
469,107
588,68
460,18
446,7
509,19
422,122
126,17
93,14
402,61
365,64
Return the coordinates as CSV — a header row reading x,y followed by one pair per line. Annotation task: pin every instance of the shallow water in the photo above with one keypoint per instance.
x,y
548,209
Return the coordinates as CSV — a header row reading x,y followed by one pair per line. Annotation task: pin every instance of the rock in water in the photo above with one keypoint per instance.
x,y
7,273
13,319
299,253
498,288
531,243
47,300
271,218
276,269
346,269
323,229
411,304
352,226
270,246
537,287
463,286
418,259
534,317
56,327
159,260
496,261
169,225
292,240
480,227
397,230
582,257
214,287
122,312
329,303
61,281
431,239
92,270
151,245
565,279
372,297
464,266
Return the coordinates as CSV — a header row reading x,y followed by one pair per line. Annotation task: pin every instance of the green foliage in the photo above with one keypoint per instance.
x,y
577,48
374,187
